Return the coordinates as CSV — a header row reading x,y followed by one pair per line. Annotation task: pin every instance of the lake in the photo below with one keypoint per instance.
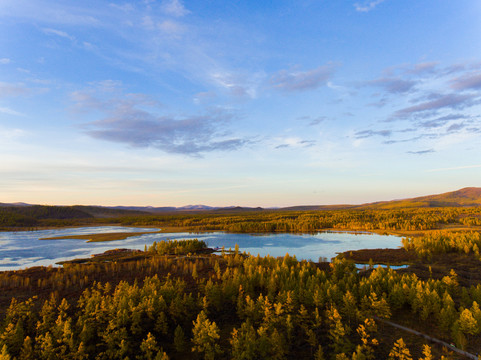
x,y
23,249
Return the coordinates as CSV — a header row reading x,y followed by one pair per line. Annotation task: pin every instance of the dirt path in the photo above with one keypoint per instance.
x,y
427,337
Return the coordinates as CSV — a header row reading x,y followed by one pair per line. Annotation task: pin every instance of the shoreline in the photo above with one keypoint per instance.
x,y
179,229
113,236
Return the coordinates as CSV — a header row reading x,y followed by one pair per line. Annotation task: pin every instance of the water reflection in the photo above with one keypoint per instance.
x,y
23,249
394,267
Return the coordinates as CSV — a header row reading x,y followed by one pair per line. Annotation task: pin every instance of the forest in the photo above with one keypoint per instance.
x,y
178,300
364,219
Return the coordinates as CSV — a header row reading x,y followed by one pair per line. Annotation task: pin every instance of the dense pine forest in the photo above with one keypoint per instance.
x,y
178,300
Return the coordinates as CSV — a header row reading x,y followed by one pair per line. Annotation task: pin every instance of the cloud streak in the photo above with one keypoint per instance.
x,y
449,101
56,32
370,133
367,6
294,142
394,85
293,81
8,111
421,152
471,81
455,168
9,89
174,8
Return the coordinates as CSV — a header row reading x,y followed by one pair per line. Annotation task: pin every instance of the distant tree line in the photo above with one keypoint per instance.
x,y
306,221
413,219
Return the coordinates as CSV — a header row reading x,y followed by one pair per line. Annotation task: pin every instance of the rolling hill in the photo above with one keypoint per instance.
x,y
469,196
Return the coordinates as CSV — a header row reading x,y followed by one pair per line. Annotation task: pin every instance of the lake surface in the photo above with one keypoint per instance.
x,y
23,249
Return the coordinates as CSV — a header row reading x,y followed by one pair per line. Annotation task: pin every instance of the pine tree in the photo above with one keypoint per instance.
x,y
319,354
205,335
243,342
467,323
161,355
365,351
477,316
337,331
179,340
149,347
47,346
349,307
81,352
400,351
427,353
26,352
12,336
4,355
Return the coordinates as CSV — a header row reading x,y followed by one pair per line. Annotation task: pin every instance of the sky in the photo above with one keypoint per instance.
x,y
248,103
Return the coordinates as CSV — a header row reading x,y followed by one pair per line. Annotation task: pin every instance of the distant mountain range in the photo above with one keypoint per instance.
x,y
153,209
470,196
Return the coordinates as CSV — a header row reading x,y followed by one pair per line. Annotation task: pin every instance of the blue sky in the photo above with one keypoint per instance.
x,y
250,103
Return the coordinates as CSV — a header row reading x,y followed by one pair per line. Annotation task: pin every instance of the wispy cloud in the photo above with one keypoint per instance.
x,y
5,61
174,8
470,81
441,121
10,134
456,127
448,101
420,68
124,7
293,142
53,12
394,85
56,32
294,80
8,111
367,6
189,135
455,168
400,141
317,120
236,84
9,89
134,120
172,28
421,152
370,133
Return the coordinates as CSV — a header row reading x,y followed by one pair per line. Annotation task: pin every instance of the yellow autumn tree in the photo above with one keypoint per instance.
x,y
400,351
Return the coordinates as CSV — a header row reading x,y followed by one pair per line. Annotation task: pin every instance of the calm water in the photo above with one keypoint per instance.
x,y
23,249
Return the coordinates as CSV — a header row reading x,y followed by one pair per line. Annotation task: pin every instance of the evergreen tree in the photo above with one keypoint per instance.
x,y
427,353
205,335
4,355
179,340
400,351
319,354
467,322
26,352
243,341
149,347
337,332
